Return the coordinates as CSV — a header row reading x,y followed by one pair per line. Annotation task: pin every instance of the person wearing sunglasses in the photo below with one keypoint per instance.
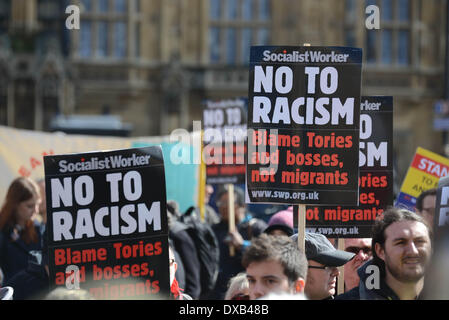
x,y
361,247
323,260
425,205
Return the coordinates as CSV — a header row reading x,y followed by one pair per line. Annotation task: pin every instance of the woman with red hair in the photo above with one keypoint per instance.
x,y
19,233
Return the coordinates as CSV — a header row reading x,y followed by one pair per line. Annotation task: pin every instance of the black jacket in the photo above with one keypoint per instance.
x,y
14,253
186,249
30,283
362,292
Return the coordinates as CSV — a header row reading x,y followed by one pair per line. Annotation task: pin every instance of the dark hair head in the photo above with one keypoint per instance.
x,y
21,189
239,195
277,248
420,199
382,222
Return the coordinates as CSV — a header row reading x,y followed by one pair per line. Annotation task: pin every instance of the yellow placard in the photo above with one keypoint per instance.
x,y
418,181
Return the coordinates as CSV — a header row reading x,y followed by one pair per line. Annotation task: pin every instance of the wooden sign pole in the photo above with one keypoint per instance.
x,y
341,277
299,211
231,215
202,181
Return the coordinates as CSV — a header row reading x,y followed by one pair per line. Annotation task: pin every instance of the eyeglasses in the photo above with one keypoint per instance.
x,y
356,250
327,268
240,296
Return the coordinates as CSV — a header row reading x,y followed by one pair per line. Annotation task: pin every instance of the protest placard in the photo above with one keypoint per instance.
x,y
437,276
225,147
376,177
424,172
303,125
107,221
441,218
224,138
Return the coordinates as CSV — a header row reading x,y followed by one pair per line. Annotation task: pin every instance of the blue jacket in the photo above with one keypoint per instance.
x,y
14,254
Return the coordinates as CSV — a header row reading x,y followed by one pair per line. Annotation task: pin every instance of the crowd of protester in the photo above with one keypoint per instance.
x,y
265,262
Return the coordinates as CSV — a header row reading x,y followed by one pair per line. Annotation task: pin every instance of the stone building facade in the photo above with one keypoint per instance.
x,y
153,62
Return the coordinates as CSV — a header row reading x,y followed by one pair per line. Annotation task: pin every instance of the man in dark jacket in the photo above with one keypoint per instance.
x,y
402,250
247,227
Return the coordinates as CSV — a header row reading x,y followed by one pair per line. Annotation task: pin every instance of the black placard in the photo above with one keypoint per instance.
x,y
441,217
224,138
107,219
376,177
303,125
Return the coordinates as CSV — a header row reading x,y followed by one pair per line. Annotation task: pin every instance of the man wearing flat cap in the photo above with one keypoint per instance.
x,y
323,261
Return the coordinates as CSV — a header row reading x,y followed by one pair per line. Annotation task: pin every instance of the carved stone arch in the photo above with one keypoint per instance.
x,y
51,63
173,85
175,91
50,80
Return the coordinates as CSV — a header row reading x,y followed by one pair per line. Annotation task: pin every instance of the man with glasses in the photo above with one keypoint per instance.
x,y
323,261
425,205
361,247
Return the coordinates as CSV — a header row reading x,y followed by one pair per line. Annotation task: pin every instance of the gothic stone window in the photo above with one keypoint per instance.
x,y
235,25
105,29
388,46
